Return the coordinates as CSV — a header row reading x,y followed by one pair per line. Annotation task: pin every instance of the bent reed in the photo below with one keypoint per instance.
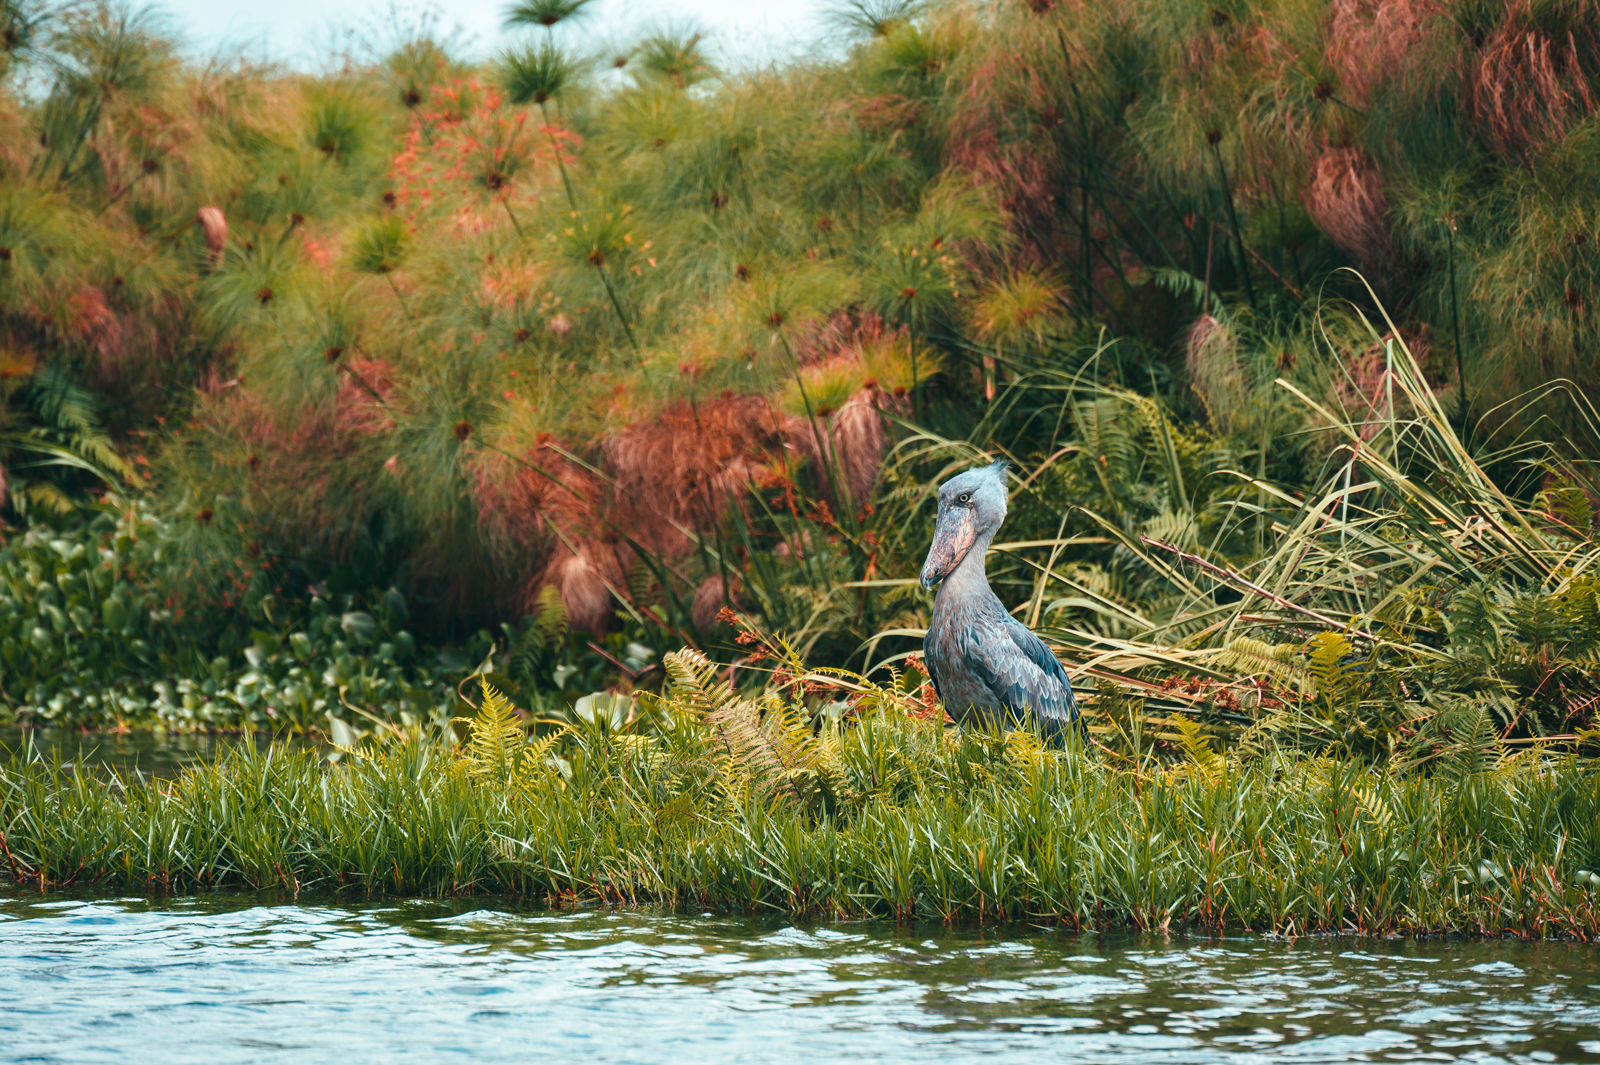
x,y
706,801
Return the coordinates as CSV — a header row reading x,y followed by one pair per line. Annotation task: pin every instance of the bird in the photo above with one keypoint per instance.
x,y
984,663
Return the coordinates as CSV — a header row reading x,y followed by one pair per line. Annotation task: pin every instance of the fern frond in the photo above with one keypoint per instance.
x,y
1259,657
1374,805
1460,738
537,760
1198,756
70,411
1258,738
831,777
49,497
534,646
1540,622
695,685
550,618
769,742
1476,619
496,739
641,582
897,680
1334,665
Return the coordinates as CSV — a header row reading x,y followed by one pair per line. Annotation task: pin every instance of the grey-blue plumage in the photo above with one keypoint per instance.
x,y
983,662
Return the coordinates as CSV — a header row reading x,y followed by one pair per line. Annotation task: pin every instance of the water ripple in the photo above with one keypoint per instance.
x,y
233,979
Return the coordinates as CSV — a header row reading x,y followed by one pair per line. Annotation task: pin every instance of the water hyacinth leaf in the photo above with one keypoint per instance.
x,y
608,708
500,682
342,734
359,625
395,611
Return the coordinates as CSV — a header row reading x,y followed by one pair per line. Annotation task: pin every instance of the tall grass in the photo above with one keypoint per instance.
x,y
914,822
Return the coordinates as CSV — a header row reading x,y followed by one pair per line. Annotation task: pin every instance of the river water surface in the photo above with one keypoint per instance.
x,y
265,979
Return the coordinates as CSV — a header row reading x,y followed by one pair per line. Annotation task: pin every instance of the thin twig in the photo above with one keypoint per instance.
x,y
536,468
362,381
609,657
1264,264
12,862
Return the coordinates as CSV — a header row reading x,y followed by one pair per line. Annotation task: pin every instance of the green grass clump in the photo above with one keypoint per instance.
x,y
703,800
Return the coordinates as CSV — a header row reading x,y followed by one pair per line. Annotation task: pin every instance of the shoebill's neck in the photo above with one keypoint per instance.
x,y
968,582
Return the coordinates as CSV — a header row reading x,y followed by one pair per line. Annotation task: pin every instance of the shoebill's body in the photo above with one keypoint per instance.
x,y
984,663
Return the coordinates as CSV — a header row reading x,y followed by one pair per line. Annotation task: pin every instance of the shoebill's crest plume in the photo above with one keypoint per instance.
x,y
984,663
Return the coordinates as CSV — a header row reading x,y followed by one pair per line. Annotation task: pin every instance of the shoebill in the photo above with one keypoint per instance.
x,y
984,663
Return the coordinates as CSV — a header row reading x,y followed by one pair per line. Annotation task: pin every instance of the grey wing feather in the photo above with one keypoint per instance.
x,y
1039,654
1023,672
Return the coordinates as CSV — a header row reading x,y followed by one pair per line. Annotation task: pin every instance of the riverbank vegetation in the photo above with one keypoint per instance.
x,y
324,393
703,802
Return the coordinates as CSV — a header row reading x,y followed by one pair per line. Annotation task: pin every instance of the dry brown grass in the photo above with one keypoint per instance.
x,y
683,468
366,394
710,596
1212,355
1346,198
850,437
1023,169
671,478
287,473
1372,43
215,225
1526,86
545,507
99,328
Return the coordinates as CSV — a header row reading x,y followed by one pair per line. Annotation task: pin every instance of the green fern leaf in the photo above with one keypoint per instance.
x,y
1334,666
1199,757
769,743
1259,657
550,621
1476,620
496,737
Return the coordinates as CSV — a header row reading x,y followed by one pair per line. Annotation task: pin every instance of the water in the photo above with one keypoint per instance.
x,y
263,979
151,754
